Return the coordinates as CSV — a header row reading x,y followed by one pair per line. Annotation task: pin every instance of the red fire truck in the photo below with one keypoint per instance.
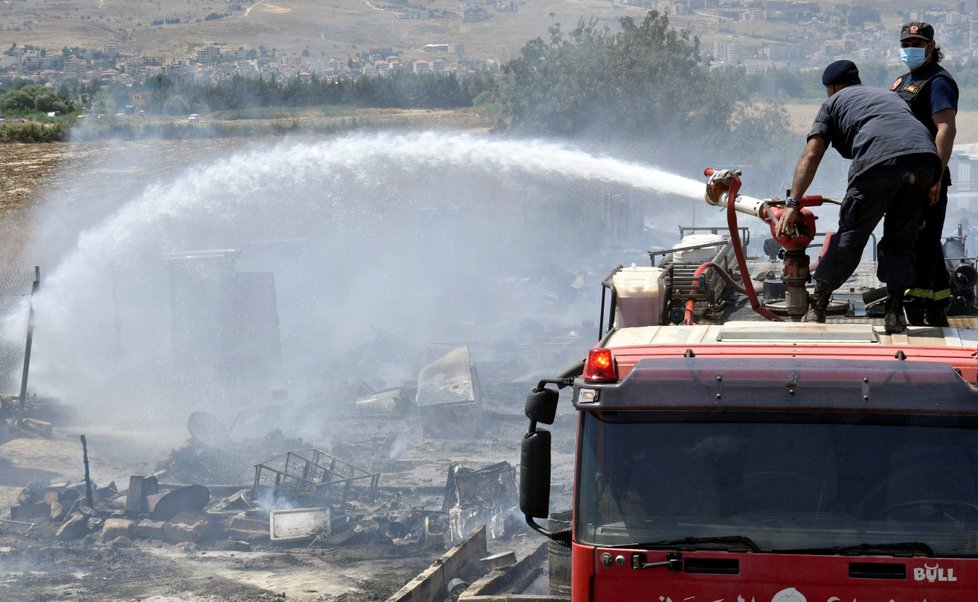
x,y
728,451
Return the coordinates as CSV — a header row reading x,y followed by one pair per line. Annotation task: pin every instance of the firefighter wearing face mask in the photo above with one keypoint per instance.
x,y
932,95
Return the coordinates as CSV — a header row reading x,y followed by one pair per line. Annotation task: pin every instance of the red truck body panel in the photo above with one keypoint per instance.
x,y
773,578
961,359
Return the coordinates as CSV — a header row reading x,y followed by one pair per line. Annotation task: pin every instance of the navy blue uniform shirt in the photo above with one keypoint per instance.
x,y
870,126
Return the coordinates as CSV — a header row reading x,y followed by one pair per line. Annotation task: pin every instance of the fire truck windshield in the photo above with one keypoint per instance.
x,y
798,482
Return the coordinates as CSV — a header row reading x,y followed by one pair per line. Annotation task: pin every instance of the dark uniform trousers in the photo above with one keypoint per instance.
x,y
931,280
896,192
931,283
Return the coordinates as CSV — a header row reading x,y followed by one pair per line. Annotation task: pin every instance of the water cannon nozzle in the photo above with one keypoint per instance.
x,y
718,185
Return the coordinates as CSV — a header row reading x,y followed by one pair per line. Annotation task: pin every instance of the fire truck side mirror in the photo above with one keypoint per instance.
x,y
541,405
535,475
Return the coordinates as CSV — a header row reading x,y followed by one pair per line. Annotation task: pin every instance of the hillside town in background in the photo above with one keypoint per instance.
x,y
753,35
787,34
212,64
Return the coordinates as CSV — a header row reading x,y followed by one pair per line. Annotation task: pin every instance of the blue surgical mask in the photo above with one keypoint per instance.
x,y
913,57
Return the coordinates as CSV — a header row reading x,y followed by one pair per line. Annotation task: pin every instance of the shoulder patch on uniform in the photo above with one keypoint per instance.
x,y
897,83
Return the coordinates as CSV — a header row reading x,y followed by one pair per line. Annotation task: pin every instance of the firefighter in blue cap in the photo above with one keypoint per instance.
x,y
932,94
894,165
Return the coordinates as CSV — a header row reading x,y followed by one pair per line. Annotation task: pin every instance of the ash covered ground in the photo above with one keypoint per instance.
x,y
223,563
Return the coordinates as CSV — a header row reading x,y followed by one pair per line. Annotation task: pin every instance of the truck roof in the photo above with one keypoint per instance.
x,y
955,346
780,385
727,327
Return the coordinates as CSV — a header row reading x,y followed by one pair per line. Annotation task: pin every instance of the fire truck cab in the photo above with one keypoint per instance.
x,y
723,456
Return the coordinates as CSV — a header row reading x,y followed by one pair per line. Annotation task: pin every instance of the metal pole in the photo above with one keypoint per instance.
x,y
88,480
30,339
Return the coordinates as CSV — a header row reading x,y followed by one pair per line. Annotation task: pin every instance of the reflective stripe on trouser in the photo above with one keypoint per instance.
x,y
928,295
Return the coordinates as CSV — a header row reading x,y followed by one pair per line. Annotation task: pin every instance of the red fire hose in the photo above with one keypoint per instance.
x,y
739,252
748,287
691,302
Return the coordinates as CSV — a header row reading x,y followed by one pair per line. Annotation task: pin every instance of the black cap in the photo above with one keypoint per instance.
x,y
917,30
840,72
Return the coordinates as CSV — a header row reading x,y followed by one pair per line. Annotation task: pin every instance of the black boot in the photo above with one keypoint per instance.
x,y
935,313
817,304
914,307
893,320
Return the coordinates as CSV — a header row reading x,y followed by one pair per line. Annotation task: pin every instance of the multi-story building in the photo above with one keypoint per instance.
x,y
728,53
180,69
208,54
73,67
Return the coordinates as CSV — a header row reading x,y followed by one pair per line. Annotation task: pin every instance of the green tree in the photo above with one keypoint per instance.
x,y
781,83
643,87
176,105
33,98
646,78
17,100
47,103
481,87
159,87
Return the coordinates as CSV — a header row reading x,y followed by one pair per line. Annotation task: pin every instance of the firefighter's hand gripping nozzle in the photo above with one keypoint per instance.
x,y
718,185
722,184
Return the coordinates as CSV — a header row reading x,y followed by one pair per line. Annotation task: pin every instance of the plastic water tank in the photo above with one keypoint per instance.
x,y
641,295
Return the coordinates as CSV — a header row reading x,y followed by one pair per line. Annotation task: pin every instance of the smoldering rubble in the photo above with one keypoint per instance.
x,y
405,469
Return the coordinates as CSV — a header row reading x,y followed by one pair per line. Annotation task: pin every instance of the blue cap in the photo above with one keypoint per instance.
x,y
840,72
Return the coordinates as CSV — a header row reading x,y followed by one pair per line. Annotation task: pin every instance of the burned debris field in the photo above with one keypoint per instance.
x,y
301,524
276,372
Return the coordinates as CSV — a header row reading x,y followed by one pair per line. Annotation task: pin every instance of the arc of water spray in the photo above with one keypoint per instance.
x,y
257,169
531,156
244,181
293,181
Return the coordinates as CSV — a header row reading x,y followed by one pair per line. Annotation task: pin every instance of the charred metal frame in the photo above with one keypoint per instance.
x,y
314,472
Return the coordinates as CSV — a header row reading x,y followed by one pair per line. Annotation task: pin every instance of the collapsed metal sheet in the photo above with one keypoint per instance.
x,y
449,380
448,397
383,403
164,506
483,496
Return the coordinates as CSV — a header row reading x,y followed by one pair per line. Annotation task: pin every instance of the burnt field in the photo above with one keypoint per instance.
x,y
378,541
261,331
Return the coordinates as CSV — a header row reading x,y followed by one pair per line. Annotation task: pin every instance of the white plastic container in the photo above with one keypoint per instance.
x,y
641,295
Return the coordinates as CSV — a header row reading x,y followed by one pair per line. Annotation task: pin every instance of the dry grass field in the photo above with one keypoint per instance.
x,y
29,172
336,28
